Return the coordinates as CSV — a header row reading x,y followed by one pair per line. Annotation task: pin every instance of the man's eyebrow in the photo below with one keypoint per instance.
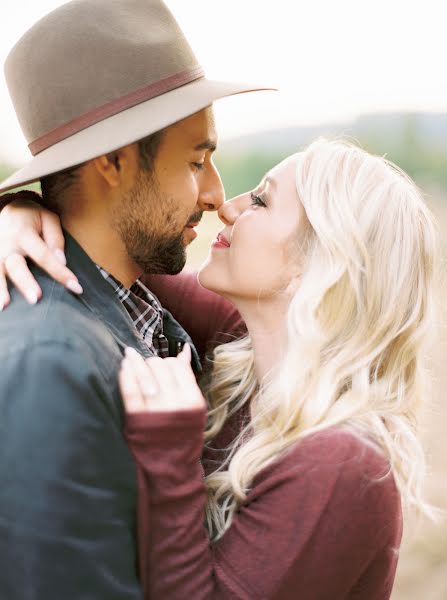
x,y
206,145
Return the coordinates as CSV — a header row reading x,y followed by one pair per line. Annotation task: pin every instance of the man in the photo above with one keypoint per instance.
x,y
116,112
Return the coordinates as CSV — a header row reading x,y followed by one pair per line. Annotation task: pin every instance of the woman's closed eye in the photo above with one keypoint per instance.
x,y
257,200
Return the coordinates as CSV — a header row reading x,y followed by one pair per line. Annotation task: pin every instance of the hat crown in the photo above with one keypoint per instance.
x,y
88,53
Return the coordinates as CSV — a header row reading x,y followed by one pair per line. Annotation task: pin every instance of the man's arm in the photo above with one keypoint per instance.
x,y
67,493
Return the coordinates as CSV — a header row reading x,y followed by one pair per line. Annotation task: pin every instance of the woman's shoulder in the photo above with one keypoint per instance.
x,y
336,464
341,448
332,502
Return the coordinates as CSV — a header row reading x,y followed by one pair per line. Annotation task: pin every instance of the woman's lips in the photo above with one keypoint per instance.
x,y
220,242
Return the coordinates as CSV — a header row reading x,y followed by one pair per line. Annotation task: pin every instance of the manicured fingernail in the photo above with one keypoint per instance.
x,y
129,351
74,286
32,297
60,256
2,304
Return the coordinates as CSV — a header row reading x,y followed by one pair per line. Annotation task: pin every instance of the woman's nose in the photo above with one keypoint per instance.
x,y
231,209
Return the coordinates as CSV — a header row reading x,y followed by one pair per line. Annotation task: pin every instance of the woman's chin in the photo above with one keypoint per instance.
x,y
204,278
210,279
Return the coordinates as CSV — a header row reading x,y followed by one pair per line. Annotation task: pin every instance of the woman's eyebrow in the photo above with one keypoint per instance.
x,y
269,181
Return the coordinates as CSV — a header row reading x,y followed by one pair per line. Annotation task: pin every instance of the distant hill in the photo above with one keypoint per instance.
x,y
387,128
417,142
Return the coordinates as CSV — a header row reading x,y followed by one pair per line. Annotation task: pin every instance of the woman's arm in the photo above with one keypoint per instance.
x,y
27,230
312,527
320,523
207,317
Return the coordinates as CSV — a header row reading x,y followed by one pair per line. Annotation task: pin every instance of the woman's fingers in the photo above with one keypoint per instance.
x,y
130,390
182,391
18,272
33,246
5,298
28,230
52,235
185,355
143,374
162,384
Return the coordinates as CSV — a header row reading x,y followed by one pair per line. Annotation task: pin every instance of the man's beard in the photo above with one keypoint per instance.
x,y
156,254
146,222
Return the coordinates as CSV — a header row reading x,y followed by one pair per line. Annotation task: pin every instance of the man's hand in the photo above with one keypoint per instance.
x,y
159,385
29,231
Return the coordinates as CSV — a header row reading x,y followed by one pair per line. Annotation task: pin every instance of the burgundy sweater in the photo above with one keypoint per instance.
x,y
323,522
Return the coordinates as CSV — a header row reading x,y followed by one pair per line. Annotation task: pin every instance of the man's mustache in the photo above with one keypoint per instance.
x,y
195,218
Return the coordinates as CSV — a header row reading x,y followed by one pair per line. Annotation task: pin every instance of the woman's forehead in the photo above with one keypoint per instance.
x,y
282,177
285,168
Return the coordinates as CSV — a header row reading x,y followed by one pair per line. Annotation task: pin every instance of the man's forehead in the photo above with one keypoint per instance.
x,y
198,130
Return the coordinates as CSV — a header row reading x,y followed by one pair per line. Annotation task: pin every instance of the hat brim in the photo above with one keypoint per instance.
x,y
125,128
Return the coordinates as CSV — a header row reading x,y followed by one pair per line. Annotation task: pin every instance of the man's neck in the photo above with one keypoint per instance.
x,y
104,247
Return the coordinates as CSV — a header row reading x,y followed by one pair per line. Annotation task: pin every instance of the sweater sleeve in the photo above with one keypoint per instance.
x,y
322,523
208,318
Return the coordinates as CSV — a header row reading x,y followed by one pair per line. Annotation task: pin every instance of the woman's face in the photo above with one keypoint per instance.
x,y
254,255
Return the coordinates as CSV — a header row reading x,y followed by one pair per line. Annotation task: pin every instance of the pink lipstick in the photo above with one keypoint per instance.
x,y
220,242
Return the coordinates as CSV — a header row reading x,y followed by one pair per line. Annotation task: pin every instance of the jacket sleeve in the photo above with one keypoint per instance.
x,y
312,526
207,317
68,491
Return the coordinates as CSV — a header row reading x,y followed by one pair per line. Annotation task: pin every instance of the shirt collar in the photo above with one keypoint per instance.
x,y
144,309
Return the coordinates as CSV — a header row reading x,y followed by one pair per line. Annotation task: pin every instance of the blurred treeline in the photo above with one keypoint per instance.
x,y
416,142
5,170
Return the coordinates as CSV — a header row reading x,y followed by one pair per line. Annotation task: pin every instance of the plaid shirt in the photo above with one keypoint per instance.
x,y
145,311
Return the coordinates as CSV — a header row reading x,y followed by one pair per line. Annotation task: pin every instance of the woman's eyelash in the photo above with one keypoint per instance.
x,y
199,166
257,200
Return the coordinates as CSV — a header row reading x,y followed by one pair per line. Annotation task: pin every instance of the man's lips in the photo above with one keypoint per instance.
x,y
190,231
194,220
220,242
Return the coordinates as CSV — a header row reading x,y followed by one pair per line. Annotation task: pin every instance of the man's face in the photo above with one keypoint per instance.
x,y
157,215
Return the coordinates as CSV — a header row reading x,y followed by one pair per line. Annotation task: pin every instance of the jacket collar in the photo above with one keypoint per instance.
x,y
100,298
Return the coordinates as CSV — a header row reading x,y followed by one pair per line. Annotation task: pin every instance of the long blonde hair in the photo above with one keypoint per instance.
x,y
357,329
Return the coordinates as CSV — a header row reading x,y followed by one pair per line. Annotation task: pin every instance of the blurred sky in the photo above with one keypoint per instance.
x,y
331,60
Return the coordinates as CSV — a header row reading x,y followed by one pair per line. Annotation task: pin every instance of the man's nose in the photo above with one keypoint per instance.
x,y
212,194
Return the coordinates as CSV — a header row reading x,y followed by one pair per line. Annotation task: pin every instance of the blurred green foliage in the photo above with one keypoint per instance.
x,y
5,171
243,171
426,165
417,143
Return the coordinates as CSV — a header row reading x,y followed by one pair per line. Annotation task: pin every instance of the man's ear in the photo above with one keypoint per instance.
x,y
108,167
116,167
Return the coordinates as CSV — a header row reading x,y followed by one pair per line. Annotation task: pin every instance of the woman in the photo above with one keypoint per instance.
x,y
330,262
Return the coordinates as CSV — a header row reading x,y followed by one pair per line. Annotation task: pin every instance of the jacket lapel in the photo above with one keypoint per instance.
x,y
100,298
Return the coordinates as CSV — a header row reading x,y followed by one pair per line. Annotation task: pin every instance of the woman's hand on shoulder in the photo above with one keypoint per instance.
x,y
159,385
27,230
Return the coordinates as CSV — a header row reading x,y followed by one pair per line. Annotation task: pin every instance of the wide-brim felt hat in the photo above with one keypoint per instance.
x,y
96,75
